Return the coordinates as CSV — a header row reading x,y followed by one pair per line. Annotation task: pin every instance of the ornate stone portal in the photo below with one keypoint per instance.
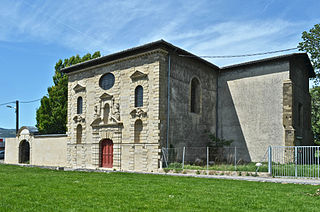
x,y
107,112
107,125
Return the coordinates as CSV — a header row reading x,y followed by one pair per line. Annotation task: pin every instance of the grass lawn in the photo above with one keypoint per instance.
x,y
35,189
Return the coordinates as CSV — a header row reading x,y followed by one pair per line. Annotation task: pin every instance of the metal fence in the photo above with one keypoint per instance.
x,y
205,158
294,161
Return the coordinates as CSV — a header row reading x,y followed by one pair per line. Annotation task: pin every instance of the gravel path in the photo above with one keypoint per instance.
x,y
246,178
257,179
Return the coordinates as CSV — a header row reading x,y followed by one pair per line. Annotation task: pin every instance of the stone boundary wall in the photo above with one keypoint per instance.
x,y
44,150
11,155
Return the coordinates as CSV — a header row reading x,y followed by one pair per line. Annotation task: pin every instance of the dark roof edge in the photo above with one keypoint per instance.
x,y
132,51
270,59
50,135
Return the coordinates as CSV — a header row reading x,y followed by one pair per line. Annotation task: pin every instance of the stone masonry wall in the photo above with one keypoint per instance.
x,y
186,128
130,72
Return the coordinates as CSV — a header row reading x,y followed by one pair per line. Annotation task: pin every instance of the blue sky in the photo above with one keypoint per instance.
x,y
35,34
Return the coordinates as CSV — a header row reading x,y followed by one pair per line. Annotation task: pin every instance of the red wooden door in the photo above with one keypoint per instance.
x,y
107,153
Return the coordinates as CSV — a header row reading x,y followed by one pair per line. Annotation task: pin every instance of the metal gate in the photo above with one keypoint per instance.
x,y
294,161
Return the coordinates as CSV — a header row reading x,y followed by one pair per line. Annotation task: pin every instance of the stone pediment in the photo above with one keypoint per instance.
x,y
138,75
106,96
79,88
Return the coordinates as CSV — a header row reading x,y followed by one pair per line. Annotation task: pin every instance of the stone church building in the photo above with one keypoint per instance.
x,y
125,107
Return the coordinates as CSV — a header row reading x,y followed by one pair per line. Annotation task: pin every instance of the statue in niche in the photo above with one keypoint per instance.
x,y
96,111
116,112
106,112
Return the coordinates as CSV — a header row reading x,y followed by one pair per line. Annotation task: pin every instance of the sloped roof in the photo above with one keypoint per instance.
x,y
304,56
162,44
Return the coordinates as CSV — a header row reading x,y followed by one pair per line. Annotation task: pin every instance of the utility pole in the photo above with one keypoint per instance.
x,y
17,116
16,108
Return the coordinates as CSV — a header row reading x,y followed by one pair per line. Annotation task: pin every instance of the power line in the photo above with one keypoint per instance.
x,y
241,55
7,103
25,102
22,102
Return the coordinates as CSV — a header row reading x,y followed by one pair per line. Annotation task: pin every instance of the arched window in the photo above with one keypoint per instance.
x,y
106,112
79,105
79,134
195,96
137,131
138,99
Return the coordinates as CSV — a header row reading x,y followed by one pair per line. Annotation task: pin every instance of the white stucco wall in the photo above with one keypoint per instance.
x,y
49,151
251,108
11,151
44,150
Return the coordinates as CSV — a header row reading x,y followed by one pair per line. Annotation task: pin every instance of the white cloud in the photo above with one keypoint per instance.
x,y
79,25
238,37
109,26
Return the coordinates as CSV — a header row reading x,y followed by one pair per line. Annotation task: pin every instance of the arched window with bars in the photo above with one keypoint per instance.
x,y
138,99
79,105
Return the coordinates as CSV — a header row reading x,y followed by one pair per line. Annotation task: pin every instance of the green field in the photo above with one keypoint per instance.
x,y
35,189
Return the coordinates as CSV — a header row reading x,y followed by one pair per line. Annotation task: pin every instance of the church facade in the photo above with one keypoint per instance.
x,y
124,108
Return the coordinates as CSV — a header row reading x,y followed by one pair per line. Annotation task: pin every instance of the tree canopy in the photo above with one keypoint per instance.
x,y
311,45
315,113
51,116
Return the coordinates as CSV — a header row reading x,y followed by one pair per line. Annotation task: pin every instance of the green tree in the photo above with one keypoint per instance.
x,y
52,114
315,113
311,45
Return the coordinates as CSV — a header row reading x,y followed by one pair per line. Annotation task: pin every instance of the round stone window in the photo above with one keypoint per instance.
x,y
106,81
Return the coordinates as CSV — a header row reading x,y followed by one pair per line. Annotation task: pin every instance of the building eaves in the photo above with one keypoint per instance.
x,y
50,135
160,44
304,56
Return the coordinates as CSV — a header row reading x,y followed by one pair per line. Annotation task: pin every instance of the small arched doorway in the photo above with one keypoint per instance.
x,y
24,152
106,153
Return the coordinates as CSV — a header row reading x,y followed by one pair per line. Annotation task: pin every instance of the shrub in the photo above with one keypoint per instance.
x,y
175,166
166,170
177,170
